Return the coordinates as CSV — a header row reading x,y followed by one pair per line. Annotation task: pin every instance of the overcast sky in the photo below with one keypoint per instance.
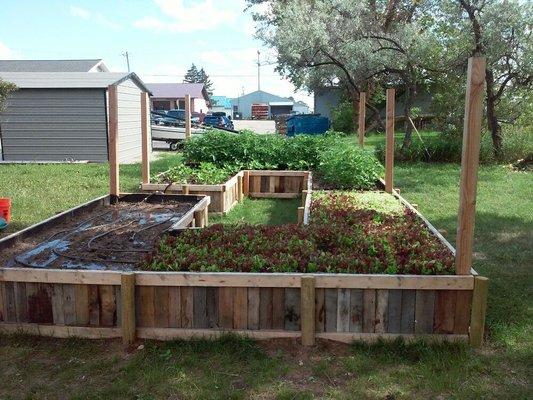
x,y
163,38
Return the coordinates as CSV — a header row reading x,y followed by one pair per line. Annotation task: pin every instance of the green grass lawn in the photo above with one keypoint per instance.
x,y
240,369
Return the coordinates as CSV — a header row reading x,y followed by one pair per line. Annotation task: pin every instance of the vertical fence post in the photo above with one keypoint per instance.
x,y
479,309
145,136
246,183
307,298
185,188
389,148
362,117
199,219
114,184
301,212
239,188
187,116
127,292
469,163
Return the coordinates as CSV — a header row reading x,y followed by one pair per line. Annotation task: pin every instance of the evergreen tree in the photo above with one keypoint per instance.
x,y
204,78
192,75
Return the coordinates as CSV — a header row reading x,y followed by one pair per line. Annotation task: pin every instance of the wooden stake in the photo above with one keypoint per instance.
x,y
199,219
389,153
114,185
307,298
301,212
362,116
185,189
469,163
246,183
479,309
145,136
239,188
127,291
187,116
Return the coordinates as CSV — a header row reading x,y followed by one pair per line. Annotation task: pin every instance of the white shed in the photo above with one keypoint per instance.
x,y
64,116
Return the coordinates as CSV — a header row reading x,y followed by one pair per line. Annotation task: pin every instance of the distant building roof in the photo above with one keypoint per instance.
x,y
262,96
177,90
69,80
221,101
93,65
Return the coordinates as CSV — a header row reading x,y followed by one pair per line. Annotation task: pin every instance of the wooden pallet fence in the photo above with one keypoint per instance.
x,y
156,305
276,184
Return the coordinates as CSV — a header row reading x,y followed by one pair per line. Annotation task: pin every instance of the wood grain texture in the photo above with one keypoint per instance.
x,y
225,307
265,308
94,305
424,311
127,308
278,308
408,311
253,308
108,305
200,307
187,307
369,310
174,307
444,320
69,304
320,310
395,311
330,302
343,310
382,305
462,312
356,310
479,309
240,308
307,310
21,302
161,307
145,306
82,305
57,305
292,309
211,302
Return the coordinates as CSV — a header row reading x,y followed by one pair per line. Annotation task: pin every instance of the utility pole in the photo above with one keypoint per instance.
x,y
127,59
258,72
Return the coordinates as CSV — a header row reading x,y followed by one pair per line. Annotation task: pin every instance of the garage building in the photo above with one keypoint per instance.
x,y
64,116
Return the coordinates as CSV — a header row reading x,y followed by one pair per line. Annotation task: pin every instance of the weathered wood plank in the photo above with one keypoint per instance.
x,y
330,303
320,310
21,302
278,308
94,305
407,324
395,311
69,304
292,309
211,303
57,304
82,305
265,308
174,307
307,310
356,310
369,310
145,306
479,309
200,307
31,304
382,304
2,308
161,306
108,305
225,307
444,321
187,307
343,310
424,311
118,301
462,312
240,308
253,308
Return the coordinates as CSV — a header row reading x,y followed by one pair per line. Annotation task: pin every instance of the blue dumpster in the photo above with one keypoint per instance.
x,y
312,124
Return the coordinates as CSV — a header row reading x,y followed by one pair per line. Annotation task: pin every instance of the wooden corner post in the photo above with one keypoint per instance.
x,y
145,136
479,310
389,148
362,118
469,164
307,298
187,116
114,184
127,292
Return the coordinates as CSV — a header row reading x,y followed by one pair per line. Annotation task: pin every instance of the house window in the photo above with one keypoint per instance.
x,y
181,104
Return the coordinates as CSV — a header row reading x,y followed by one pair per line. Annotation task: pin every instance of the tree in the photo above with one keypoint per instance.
x,y
195,75
5,89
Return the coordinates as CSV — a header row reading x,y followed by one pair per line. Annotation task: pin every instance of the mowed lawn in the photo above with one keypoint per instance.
x,y
233,368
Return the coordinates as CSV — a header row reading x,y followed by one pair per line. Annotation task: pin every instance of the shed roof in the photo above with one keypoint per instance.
x,y
69,80
49,65
221,101
177,90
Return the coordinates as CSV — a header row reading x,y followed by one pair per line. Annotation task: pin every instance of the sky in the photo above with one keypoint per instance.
x,y
163,38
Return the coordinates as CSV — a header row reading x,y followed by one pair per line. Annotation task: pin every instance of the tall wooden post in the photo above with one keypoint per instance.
x,y
145,136
469,163
114,184
187,116
362,117
389,148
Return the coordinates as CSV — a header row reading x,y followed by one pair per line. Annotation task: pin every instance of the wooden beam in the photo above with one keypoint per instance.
x,y
127,291
350,337
479,310
469,163
187,116
274,195
60,331
389,148
114,184
177,333
362,118
277,173
307,307
145,136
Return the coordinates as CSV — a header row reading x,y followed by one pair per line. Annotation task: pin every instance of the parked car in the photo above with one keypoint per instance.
x,y
218,121
156,117
176,117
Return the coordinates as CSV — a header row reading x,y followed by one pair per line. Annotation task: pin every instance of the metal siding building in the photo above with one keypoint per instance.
x,y
244,103
64,116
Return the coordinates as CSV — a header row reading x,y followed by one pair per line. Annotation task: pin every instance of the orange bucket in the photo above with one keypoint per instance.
x,y
5,208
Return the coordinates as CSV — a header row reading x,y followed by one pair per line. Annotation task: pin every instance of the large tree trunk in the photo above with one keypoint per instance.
x,y
492,119
408,103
